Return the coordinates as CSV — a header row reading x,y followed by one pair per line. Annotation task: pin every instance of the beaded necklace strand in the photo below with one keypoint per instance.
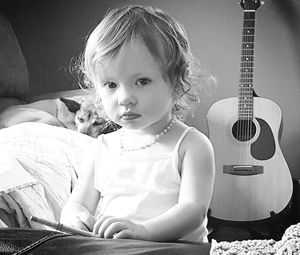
x,y
152,141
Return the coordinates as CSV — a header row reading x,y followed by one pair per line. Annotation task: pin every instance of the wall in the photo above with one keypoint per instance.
x,y
53,32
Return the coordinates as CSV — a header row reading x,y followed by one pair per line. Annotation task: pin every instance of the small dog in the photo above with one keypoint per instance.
x,y
83,115
90,119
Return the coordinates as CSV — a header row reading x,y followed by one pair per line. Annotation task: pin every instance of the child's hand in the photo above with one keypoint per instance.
x,y
81,220
119,228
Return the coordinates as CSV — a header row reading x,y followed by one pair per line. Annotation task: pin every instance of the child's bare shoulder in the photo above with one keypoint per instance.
x,y
195,139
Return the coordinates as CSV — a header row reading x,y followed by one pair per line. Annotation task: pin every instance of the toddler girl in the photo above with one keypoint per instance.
x,y
153,178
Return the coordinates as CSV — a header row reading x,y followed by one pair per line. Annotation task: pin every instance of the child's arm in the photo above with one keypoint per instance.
x,y
80,208
195,193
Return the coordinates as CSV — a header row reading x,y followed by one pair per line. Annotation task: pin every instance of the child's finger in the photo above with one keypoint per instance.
x,y
114,228
105,224
124,234
98,224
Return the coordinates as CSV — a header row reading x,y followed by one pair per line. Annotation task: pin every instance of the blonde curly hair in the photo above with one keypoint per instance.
x,y
165,39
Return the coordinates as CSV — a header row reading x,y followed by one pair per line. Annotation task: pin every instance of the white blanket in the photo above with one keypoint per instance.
x,y
42,164
13,174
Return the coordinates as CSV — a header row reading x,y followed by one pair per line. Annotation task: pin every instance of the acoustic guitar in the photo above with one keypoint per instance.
x,y
252,179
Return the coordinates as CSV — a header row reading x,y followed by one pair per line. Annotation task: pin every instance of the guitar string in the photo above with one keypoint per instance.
x,y
244,126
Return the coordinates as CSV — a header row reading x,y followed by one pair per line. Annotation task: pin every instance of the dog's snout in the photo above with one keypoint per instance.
x,y
83,129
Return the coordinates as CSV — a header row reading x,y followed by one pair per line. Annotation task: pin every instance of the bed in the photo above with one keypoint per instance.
x,y
40,167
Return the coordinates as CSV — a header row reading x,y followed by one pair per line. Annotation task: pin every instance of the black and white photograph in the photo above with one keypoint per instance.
x,y
150,127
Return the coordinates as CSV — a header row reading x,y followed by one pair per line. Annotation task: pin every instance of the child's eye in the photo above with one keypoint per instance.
x,y
110,84
143,81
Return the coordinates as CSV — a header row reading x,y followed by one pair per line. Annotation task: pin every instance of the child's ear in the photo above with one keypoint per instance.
x,y
72,105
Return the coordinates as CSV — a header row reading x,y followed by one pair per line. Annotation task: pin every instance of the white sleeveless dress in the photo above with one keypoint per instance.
x,y
141,188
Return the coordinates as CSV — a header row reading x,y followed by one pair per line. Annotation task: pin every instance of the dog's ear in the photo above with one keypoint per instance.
x,y
72,105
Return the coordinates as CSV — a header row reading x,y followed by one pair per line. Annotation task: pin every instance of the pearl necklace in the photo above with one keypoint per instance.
x,y
154,139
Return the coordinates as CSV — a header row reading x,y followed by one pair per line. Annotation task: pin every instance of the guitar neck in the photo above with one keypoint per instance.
x,y
245,107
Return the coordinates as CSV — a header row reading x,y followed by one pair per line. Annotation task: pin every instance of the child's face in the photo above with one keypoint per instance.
x,y
132,89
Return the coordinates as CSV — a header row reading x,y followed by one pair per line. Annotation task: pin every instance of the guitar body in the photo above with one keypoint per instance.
x,y
252,177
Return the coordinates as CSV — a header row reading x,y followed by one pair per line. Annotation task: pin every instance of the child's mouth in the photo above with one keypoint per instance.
x,y
130,116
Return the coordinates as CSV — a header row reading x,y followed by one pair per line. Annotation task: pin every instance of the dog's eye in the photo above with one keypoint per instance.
x,y
81,120
97,123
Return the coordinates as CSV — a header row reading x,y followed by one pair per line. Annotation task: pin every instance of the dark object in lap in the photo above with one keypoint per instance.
x,y
33,241
18,241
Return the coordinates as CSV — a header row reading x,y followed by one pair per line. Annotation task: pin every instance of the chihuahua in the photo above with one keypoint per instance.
x,y
89,117
82,114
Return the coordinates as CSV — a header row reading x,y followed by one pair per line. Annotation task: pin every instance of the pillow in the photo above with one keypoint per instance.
x,y
6,102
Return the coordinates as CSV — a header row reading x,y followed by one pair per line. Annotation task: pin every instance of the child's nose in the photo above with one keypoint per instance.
x,y
126,96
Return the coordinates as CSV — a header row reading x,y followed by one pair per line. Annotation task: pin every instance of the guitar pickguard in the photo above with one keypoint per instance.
x,y
264,146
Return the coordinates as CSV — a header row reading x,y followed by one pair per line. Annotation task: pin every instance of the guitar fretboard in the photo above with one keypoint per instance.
x,y
245,106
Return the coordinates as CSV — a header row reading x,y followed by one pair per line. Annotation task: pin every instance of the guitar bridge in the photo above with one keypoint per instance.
x,y
243,170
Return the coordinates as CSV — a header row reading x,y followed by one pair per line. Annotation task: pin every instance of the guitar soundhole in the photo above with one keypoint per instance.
x,y
244,130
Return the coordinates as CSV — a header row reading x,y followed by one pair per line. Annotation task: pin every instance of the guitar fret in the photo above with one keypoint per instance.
x,y
249,118
246,70
245,112
245,87
246,98
246,93
246,64
247,58
247,35
248,40
249,15
246,84
249,23
247,45
248,32
245,107
246,117
246,76
247,52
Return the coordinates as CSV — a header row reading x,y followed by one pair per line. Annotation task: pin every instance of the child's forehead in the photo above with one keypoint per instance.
x,y
139,47
134,54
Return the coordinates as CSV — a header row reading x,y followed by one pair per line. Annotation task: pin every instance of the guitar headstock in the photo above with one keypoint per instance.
x,y
250,5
